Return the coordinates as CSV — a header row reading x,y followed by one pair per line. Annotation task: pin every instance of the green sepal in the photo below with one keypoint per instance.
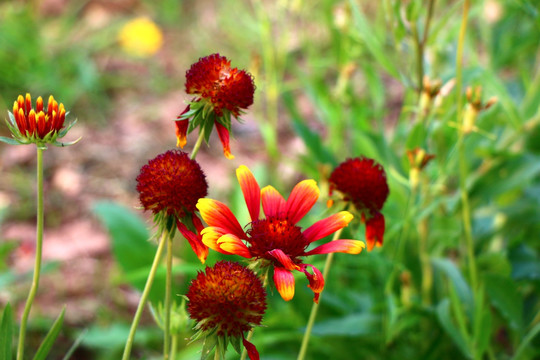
x,y
208,127
236,343
48,342
11,141
209,344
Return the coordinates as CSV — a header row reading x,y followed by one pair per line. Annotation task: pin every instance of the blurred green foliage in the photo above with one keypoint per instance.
x,y
345,77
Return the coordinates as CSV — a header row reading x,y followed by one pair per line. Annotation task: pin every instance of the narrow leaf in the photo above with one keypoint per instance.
x,y
6,333
49,340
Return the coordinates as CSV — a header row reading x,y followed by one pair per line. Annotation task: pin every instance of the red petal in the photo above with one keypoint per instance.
x,y
375,231
194,240
224,137
251,349
316,281
283,259
284,281
251,190
217,214
325,227
342,246
303,196
272,202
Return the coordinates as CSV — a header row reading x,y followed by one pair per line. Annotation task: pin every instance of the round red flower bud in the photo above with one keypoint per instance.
x,y
363,182
227,297
213,79
171,182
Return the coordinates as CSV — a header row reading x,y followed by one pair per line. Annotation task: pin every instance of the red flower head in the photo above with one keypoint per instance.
x,y
40,125
226,301
170,186
276,239
220,91
362,181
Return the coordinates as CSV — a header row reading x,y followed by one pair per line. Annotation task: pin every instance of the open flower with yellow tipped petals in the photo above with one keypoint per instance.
x,y
273,237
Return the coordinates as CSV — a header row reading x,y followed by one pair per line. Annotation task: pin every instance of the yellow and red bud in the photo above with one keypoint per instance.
x,y
39,104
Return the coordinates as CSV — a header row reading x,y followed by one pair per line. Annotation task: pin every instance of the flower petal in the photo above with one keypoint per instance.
x,y
272,202
210,237
316,281
217,214
303,196
233,245
195,240
223,134
284,281
375,231
342,246
283,259
325,227
251,190
251,349
181,129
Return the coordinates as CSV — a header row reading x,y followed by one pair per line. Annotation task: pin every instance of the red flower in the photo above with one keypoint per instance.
x,y
40,125
276,239
221,91
362,181
170,185
226,301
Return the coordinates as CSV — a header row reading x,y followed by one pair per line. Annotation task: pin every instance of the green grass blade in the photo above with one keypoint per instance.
x,y
6,333
49,340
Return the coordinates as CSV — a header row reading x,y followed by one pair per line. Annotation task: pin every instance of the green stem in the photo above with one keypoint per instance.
x,y
174,346
315,306
144,296
197,145
466,211
37,263
168,289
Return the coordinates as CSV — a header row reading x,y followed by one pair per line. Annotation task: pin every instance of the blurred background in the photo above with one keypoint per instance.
x,y
335,79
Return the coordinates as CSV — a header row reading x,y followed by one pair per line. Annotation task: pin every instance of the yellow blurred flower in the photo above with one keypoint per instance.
x,y
140,37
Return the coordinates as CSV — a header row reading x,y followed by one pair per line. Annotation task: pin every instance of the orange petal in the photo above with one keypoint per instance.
x,y
284,281
375,231
195,241
316,281
223,134
303,196
251,190
330,225
272,202
284,259
233,245
342,246
181,132
217,214
210,237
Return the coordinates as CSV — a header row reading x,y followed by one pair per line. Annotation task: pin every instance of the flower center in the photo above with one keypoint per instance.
x,y
276,233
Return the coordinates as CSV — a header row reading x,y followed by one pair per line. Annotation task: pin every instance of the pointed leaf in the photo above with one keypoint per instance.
x,y
504,295
6,333
10,141
445,318
49,340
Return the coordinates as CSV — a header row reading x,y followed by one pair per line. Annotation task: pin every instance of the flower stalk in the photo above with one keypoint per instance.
x,y
315,305
37,263
144,297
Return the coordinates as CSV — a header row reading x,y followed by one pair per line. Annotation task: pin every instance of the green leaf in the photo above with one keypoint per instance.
x,y
351,325
445,319
504,295
130,245
49,340
453,273
525,342
6,333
